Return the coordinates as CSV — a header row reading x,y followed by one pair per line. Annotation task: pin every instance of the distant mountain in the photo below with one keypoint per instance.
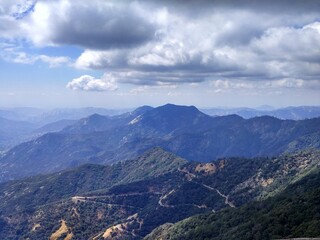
x,y
75,113
128,200
34,122
265,108
182,130
16,132
54,127
46,116
170,118
293,113
21,114
297,112
12,132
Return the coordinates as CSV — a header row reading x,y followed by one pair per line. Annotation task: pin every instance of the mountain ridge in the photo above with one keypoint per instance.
x,y
190,134
158,193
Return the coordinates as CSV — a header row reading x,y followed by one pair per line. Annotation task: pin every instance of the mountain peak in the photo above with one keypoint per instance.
x,y
177,110
170,106
93,123
141,110
170,117
96,116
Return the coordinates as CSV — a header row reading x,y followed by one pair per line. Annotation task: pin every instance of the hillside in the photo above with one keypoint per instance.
x,y
294,213
182,130
84,179
130,199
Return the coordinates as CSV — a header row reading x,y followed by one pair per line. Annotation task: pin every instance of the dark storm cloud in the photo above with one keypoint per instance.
x,y
196,7
114,27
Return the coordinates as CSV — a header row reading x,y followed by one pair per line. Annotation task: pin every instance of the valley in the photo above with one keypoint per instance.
x,y
121,177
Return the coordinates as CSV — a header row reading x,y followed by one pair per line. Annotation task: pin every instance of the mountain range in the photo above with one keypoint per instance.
x,y
182,130
45,116
40,121
170,172
19,125
133,199
293,113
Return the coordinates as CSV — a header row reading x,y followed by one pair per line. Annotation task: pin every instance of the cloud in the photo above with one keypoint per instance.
x,y
8,27
271,84
147,88
290,43
23,8
53,61
94,59
10,12
94,25
182,57
89,83
13,53
154,43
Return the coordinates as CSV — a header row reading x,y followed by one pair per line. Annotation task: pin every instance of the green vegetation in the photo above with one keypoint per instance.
x,y
293,213
156,188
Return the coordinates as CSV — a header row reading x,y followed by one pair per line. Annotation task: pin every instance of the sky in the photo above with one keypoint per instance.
x,y
119,54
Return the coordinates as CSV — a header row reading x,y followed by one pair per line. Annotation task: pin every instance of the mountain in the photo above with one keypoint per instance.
x,y
294,213
293,113
46,116
129,199
169,118
25,114
182,130
16,132
50,194
54,127
12,132
75,113
19,125
86,178
98,123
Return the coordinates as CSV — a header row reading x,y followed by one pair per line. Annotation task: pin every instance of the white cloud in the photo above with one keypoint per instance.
x,y
13,53
147,88
22,8
270,84
231,84
206,49
289,43
53,61
8,27
153,43
89,83
94,59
